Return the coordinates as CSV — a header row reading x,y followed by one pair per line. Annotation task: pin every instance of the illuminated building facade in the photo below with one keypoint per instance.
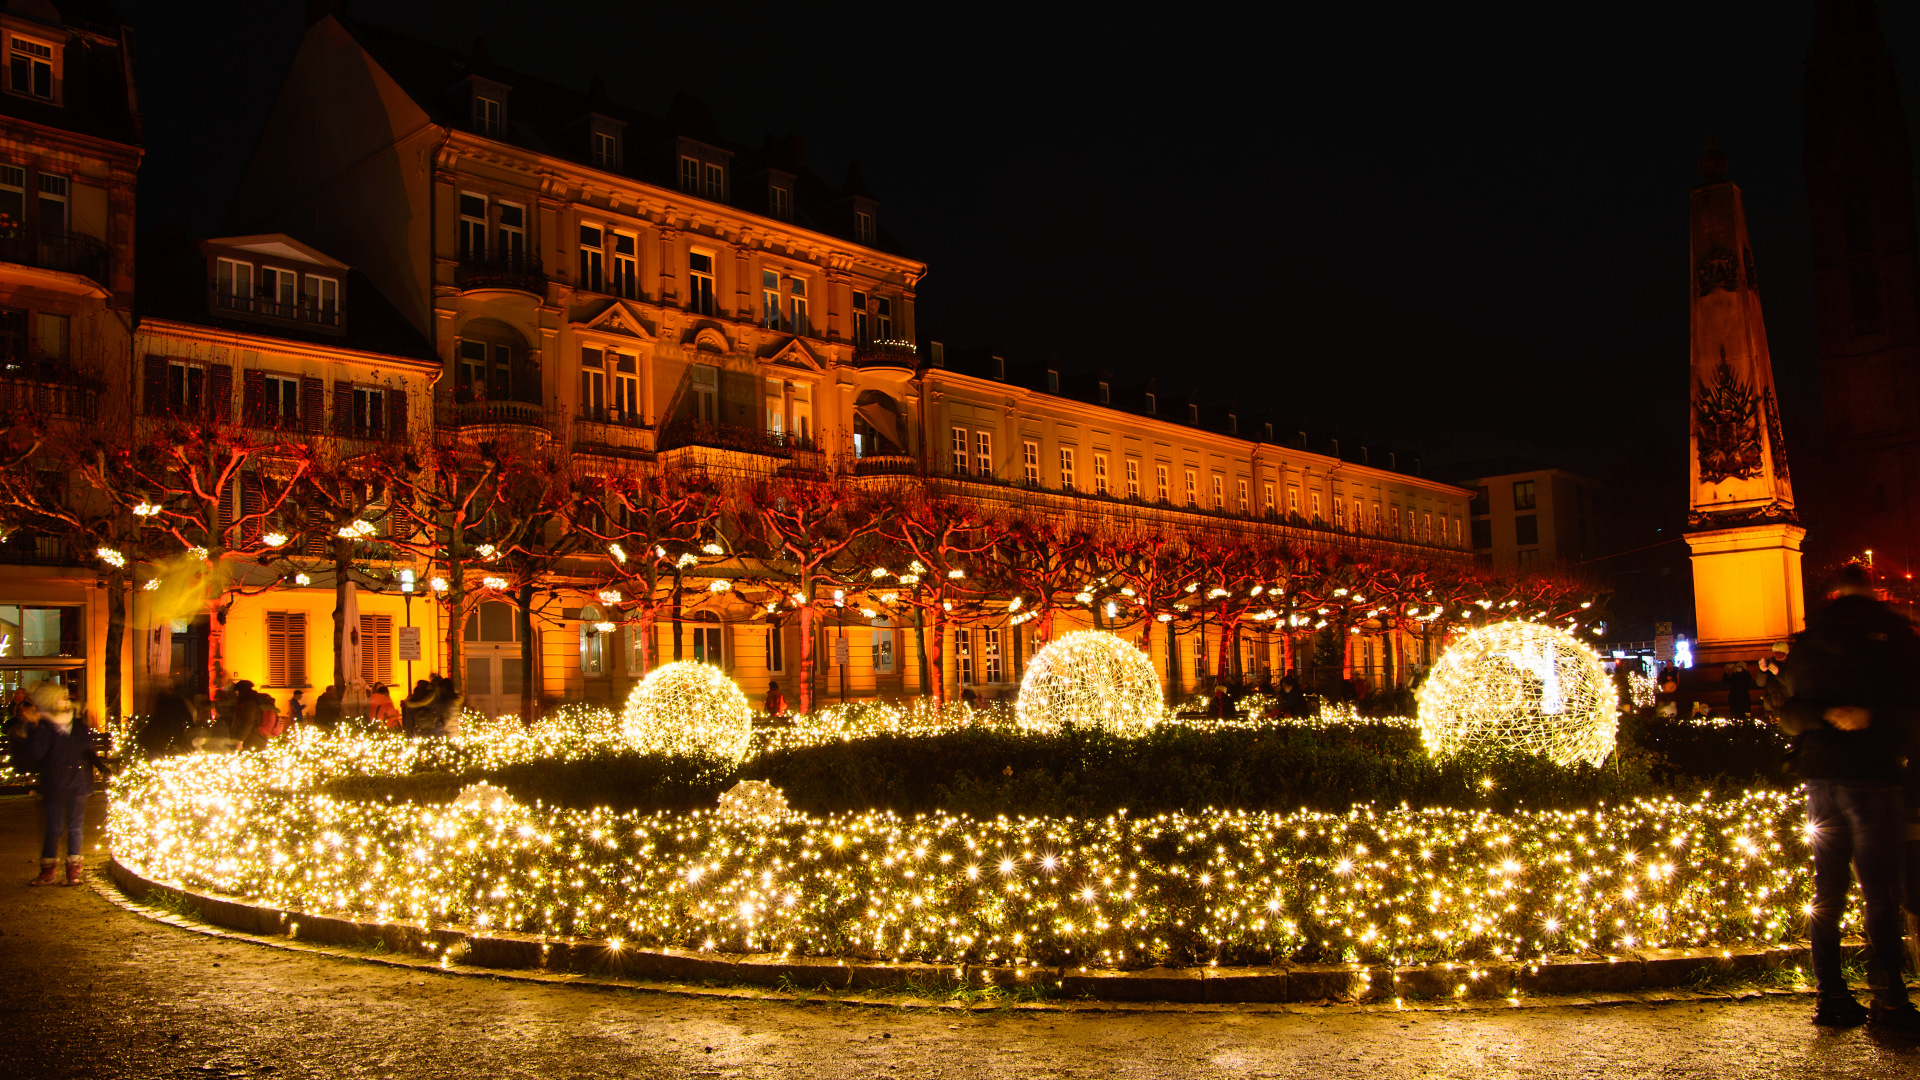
x,y
1527,517
69,155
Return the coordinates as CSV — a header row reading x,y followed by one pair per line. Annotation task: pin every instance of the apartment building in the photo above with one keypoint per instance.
x,y
1528,517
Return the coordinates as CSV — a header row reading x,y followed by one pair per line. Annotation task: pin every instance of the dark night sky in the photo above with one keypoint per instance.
x,y
1461,230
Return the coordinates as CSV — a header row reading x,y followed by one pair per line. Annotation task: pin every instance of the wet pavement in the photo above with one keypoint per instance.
x,y
92,990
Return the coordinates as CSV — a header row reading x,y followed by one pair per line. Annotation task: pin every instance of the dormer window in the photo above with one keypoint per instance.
x,y
1233,424
322,300
1105,393
690,175
863,229
1053,381
703,174
1266,432
1000,368
30,69
606,150
1193,414
780,200
486,115
277,291
1152,399
937,356
233,285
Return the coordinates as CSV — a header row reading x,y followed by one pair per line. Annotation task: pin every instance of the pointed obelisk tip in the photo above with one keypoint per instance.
x,y
1713,163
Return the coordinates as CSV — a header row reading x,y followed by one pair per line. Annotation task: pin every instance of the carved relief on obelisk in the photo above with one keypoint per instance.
x,y
1741,526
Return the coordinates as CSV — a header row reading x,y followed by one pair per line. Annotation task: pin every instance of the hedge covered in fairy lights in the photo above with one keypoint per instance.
x,y
1375,884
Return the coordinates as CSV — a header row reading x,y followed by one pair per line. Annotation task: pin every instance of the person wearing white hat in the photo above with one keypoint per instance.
x,y
65,758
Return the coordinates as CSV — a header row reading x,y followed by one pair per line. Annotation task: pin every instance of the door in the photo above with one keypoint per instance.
x,y
492,657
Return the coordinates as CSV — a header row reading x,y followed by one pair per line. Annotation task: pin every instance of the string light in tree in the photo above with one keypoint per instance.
x,y
1090,679
690,708
1523,686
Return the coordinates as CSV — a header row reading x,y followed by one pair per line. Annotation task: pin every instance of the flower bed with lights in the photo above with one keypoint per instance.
x,y
1372,883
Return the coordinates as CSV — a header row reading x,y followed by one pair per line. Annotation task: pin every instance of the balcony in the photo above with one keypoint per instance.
x,y
44,390
611,433
887,356
70,253
886,465
739,439
519,272
494,418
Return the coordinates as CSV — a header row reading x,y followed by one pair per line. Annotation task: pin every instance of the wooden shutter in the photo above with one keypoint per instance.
x,y
253,498
156,386
253,398
343,409
219,393
286,648
313,406
396,415
376,649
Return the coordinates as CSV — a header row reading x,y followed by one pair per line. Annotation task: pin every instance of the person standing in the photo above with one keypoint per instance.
x,y
1851,715
1739,684
775,703
63,753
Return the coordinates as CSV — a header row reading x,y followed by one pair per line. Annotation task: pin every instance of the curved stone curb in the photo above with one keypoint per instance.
x,y
1620,978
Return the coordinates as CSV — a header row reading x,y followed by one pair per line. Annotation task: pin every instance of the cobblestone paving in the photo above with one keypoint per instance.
x,y
91,990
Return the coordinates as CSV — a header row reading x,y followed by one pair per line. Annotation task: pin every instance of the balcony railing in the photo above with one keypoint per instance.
x,y
71,253
513,271
899,354
886,465
613,418
492,414
46,389
729,437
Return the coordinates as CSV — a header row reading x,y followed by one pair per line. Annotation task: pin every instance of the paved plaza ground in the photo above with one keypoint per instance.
x,y
92,990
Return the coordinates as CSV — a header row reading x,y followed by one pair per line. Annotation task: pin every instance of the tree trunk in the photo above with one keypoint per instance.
x,y
676,617
646,638
217,643
456,622
1044,625
529,653
342,566
1224,650
806,648
920,648
1173,664
936,657
116,633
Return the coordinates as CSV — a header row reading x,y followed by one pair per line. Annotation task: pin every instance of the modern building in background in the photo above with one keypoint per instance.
x,y
69,156
1526,517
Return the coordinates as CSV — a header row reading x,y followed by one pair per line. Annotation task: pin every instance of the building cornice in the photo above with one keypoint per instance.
x,y
178,330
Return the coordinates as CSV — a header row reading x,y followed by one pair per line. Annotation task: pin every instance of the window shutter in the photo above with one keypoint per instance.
x,y
313,406
343,409
219,393
296,649
276,648
253,397
223,517
376,649
253,497
396,415
156,386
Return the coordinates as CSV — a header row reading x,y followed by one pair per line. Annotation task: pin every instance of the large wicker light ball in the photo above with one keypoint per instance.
x,y
1090,679
1520,686
687,707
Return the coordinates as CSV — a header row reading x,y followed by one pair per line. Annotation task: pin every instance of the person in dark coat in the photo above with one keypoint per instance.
x,y
1851,716
417,715
1739,686
326,708
63,753
168,729
246,716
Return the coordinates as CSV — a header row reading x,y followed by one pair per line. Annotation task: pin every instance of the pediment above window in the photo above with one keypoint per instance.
x,y
796,354
618,321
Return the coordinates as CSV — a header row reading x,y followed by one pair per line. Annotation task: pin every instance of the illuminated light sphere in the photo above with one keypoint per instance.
x,y
690,708
1090,679
1520,686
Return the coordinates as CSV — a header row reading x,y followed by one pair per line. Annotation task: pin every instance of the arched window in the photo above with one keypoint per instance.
x,y
494,365
593,642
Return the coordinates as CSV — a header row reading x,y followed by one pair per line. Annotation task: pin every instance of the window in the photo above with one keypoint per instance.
x,y
883,318
1193,488
1266,432
606,150
1193,414
700,283
13,199
1316,506
706,393
1393,520
50,335
32,69
797,307
1527,559
287,648
1339,514
53,205
282,405
1066,467
592,259
776,651
376,649
322,300
999,364
882,647
780,201
1053,381
960,451
1133,478
1100,474
1375,521
1526,529
593,383
1269,499
716,182
593,647
1233,423
1151,399
1523,494
983,453
863,226
862,329
186,388
802,425
963,648
707,638
486,115
1219,492
690,175
1243,495
776,406
1104,392
513,235
369,413
625,405
626,266
233,284
1482,533
1359,516
278,289
1456,530
1163,490
990,645
770,299
1293,500
1030,460
473,226
1482,502
1427,526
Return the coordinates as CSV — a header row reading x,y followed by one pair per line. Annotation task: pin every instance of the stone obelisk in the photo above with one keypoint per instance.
x,y
1742,530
